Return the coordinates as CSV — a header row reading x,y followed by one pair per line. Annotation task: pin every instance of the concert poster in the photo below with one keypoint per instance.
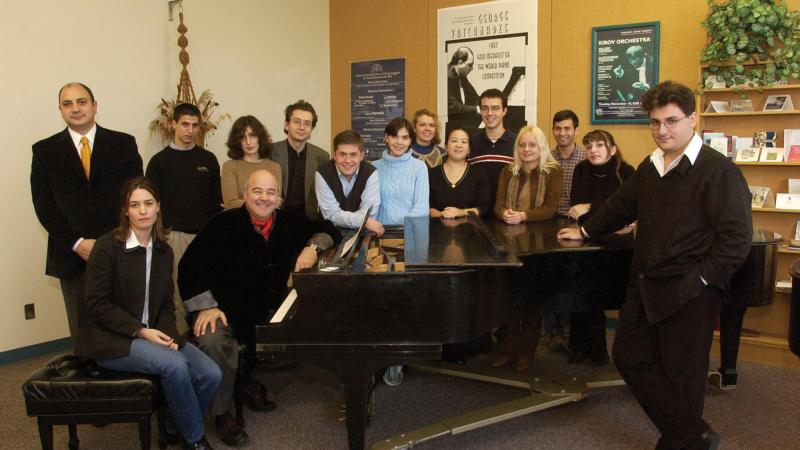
x,y
483,46
624,66
377,95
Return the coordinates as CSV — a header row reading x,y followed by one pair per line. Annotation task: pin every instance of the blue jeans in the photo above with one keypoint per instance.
x,y
189,380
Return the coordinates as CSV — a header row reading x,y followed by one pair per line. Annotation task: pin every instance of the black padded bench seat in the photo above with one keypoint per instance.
x,y
72,390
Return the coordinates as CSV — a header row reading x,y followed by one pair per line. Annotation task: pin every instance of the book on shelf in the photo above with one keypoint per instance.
x,y
720,144
762,197
794,185
748,154
794,154
716,106
784,200
791,136
742,105
779,103
739,143
771,154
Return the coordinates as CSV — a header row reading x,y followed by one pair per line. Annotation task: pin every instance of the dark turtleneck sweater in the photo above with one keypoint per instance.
x,y
594,184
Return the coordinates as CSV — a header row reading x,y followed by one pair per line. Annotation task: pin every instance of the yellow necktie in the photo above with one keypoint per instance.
x,y
86,155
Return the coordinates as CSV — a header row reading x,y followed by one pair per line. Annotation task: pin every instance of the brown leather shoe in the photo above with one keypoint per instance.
x,y
229,430
522,363
501,361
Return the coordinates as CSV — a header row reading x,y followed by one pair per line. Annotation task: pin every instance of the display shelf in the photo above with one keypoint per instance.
x,y
749,113
771,321
777,210
777,87
756,163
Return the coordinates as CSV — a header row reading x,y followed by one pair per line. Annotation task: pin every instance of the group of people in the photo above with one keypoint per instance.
x,y
229,238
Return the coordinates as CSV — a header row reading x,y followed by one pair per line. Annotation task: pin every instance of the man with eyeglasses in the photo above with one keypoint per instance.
x,y
493,147
692,208
299,160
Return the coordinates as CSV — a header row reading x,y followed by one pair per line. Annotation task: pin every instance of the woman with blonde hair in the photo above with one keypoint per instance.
x,y
528,190
425,145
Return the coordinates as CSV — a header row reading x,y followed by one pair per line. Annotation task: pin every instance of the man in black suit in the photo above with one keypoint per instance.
x,y
635,78
462,98
76,176
694,230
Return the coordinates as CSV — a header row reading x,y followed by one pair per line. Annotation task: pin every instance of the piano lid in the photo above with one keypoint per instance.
x,y
452,243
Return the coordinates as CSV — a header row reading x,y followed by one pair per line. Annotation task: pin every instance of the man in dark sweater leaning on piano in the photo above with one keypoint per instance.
x,y
233,276
692,208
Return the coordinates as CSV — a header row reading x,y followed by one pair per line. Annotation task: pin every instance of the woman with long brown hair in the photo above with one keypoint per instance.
x,y
127,322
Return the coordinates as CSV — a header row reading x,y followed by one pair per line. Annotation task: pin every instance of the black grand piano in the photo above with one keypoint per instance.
x,y
371,307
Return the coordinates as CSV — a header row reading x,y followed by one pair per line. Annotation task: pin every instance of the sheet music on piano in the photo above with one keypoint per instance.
x,y
347,247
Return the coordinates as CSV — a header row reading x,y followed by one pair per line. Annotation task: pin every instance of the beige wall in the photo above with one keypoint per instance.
x,y
564,53
255,55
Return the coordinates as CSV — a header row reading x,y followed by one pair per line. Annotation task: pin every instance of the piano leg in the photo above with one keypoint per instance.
x,y
730,330
355,397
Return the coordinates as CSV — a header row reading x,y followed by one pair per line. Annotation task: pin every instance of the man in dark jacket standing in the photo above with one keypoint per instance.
x,y
76,176
694,230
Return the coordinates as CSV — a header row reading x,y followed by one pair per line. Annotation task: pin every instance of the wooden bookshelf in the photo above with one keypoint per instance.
x,y
770,321
750,113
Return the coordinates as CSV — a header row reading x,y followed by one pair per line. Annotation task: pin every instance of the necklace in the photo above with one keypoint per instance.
x,y
452,184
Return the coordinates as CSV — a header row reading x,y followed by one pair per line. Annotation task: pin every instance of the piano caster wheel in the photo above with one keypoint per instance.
x,y
393,376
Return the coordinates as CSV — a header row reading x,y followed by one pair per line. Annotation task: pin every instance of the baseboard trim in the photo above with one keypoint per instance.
x,y
33,351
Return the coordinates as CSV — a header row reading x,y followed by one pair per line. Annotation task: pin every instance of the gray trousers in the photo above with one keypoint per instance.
x,y
179,241
73,290
222,347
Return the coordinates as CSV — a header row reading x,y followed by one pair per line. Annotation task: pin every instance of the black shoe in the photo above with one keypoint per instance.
x,y
202,444
600,358
707,441
576,358
256,396
229,430
171,438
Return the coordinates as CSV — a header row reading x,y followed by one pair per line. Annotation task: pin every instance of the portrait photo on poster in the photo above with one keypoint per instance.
x,y
486,46
624,66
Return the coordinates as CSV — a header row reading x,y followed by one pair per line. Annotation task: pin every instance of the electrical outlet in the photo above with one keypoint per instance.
x,y
30,311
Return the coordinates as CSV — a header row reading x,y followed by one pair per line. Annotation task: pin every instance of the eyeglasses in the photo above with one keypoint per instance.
x,y
298,122
669,123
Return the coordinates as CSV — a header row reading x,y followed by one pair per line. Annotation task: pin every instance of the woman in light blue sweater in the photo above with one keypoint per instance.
x,y
404,179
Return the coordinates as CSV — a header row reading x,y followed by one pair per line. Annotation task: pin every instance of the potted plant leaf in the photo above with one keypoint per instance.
x,y
751,43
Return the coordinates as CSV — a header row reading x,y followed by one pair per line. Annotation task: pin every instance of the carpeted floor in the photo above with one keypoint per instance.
x,y
763,412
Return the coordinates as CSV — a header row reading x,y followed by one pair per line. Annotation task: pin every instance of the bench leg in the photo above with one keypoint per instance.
x,y
74,442
45,433
144,431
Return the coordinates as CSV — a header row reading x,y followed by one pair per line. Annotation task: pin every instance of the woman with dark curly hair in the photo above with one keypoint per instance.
x,y
249,146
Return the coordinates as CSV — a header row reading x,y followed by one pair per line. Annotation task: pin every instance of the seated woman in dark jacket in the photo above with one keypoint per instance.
x,y
458,187
127,322
594,180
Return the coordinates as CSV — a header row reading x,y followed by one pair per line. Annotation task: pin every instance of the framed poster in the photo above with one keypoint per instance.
x,y
485,46
377,95
624,66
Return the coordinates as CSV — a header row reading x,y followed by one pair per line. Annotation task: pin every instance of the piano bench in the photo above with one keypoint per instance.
x,y
72,390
